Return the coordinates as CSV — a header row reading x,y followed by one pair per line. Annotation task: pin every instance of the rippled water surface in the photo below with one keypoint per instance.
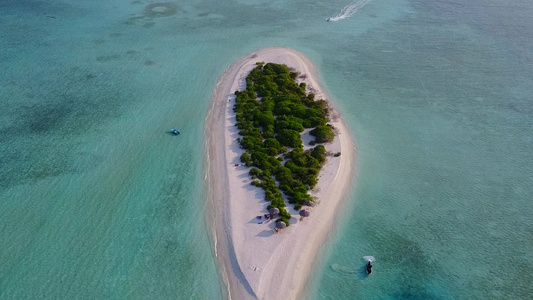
x,y
99,201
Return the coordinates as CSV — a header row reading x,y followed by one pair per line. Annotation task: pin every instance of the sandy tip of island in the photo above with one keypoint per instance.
x,y
254,261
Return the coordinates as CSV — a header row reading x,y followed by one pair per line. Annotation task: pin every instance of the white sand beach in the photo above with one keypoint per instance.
x,y
255,262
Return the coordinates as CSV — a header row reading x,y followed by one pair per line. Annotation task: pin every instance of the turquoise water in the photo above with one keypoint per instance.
x,y
98,201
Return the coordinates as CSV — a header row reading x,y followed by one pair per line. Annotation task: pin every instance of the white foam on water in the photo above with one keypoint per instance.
x,y
349,10
342,269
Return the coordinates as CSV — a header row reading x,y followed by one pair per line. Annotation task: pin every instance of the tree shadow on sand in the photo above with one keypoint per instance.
x,y
265,233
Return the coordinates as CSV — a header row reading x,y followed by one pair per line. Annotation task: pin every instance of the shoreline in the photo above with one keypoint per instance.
x,y
255,263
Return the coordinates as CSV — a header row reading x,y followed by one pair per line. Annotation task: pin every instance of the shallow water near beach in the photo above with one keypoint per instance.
x,y
98,200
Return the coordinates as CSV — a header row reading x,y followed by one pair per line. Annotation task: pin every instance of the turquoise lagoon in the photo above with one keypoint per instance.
x,y
98,201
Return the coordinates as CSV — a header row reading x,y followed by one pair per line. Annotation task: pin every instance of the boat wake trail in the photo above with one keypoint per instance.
x,y
342,269
369,258
349,10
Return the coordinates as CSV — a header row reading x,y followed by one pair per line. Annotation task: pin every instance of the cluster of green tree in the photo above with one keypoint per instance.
x,y
271,113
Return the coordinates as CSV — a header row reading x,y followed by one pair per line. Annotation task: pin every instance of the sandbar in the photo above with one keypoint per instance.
x,y
255,262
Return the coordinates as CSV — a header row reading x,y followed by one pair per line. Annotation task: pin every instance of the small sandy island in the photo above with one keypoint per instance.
x,y
255,262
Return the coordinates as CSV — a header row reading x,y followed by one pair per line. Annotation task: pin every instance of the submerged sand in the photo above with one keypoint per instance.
x,y
255,262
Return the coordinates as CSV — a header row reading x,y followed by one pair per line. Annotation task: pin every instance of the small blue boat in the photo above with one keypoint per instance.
x,y
174,131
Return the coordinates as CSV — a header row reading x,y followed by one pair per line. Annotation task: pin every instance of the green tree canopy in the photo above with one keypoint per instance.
x,y
289,138
271,112
323,133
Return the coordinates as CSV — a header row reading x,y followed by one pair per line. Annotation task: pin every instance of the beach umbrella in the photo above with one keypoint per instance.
x,y
280,225
274,211
304,213
309,203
